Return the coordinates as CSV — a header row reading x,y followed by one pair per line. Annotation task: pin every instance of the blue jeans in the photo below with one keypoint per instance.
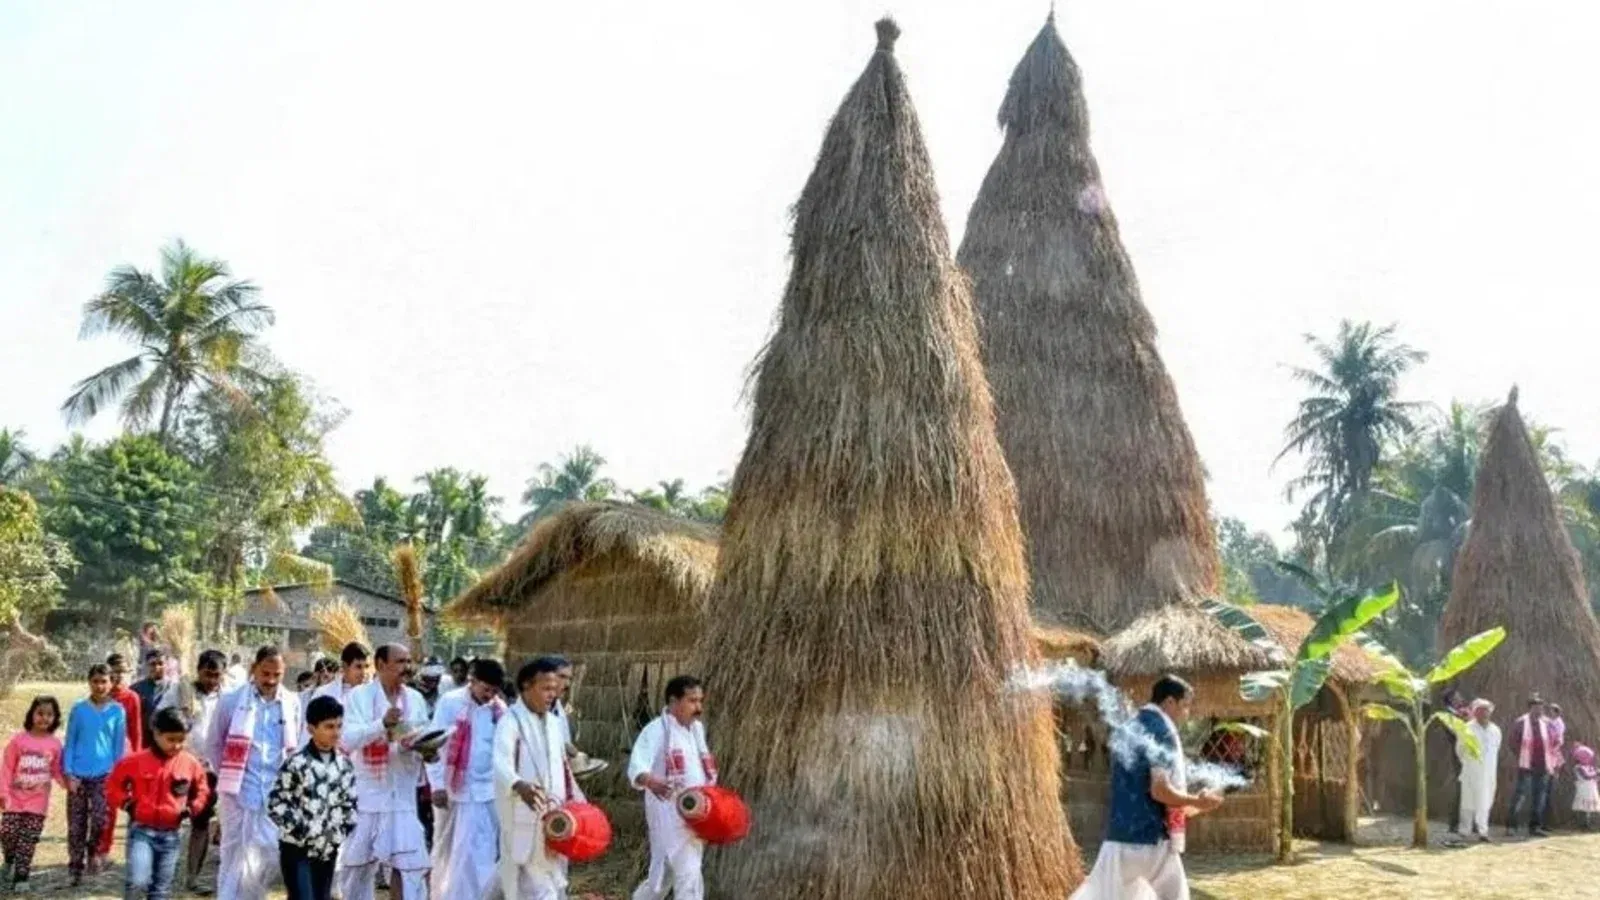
x,y
305,877
152,863
1534,787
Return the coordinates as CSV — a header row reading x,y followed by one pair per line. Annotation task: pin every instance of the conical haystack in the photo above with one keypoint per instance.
x,y
1518,569
1113,495
871,594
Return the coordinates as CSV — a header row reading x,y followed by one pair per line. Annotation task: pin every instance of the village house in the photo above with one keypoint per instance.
x,y
284,613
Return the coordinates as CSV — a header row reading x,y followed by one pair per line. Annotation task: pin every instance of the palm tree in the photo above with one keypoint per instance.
x,y
576,479
1351,415
193,325
667,496
16,460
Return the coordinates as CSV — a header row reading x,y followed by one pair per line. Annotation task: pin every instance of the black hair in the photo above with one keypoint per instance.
x,y
212,659
116,659
383,653
169,721
270,651
304,677
680,686
459,661
322,709
487,670
152,655
326,664
42,700
100,670
561,662
353,653
544,665
1170,687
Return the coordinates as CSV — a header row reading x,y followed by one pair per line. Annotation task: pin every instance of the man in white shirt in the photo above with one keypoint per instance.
x,y
378,718
467,829
671,756
531,778
1479,775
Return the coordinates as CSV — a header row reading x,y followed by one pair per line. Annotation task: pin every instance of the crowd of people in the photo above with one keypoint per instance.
x,y
371,771
1539,744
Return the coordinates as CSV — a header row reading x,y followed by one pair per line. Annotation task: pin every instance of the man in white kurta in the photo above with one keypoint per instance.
x,y
253,730
377,718
669,757
466,841
1478,776
531,778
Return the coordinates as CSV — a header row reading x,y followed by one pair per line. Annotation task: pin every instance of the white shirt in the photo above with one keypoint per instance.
x,y
235,676
392,787
479,787
528,749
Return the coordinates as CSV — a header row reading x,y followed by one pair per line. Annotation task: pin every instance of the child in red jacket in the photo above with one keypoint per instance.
x,y
160,787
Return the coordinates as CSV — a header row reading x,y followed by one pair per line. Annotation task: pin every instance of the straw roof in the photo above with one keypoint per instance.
x,y
1113,494
1290,626
599,540
871,595
1180,638
1062,644
1518,569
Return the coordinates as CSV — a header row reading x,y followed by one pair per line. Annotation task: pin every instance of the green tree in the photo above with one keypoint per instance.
x,y
1351,415
1250,568
1408,705
575,478
193,325
134,515
16,460
1301,677
667,496
32,561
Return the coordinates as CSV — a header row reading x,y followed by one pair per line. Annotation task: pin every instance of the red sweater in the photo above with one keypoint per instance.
x,y
162,788
129,701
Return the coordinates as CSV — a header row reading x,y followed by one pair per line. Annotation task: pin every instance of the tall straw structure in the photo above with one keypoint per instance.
x,y
1113,494
870,601
1518,569
408,573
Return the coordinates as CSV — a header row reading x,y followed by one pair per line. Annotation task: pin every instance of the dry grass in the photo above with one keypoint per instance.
x,y
1518,569
1179,637
339,625
408,574
1113,494
177,630
871,594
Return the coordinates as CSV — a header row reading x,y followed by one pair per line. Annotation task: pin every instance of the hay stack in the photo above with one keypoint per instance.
x,y
408,574
339,624
1518,569
871,593
177,630
1113,494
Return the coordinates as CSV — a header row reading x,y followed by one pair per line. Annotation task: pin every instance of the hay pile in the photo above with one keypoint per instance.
x,y
177,631
1113,494
1518,569
871,592
339,624
408,574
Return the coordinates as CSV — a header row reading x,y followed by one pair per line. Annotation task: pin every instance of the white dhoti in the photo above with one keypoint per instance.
x,y
466,850
678,873
248,857
1478,777
393,839
1135,872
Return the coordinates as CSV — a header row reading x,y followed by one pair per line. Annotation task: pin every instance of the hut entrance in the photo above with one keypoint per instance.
x,y
1326,745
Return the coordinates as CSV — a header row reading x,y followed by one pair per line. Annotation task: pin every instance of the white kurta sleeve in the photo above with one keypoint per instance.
x,y
443,716
646,750
359,730
505,753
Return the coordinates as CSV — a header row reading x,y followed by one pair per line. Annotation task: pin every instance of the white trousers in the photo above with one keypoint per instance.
x,y
682,876
1473,819
360,883
527,883
248,856
1135,872
466,851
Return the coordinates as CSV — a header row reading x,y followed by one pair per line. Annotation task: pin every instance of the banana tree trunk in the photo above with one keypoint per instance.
x,y
1286,788
1419,818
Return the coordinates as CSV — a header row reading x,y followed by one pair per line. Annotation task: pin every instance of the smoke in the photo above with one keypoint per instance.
x,y
1129,740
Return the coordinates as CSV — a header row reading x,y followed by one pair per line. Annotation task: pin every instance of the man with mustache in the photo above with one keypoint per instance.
x,y
670,756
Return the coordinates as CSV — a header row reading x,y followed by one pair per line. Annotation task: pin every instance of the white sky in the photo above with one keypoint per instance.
x,y
496,230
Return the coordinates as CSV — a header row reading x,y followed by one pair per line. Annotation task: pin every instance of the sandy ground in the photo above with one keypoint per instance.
x,y
1380,868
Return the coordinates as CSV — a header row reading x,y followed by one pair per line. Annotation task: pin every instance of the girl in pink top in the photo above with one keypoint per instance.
x,y
30,763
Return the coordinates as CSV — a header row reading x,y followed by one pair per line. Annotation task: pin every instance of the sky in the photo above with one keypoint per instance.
x,y
496,230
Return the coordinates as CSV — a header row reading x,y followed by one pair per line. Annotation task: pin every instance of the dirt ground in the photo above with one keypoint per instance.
x,y
1380,868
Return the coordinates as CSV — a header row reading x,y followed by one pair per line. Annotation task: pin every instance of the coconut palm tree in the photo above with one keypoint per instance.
x,y
577,478
194,325
15,457
1352,414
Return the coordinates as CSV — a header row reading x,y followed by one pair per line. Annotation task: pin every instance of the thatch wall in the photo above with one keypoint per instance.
x,y
1112,489
618,588
1518,569
870,606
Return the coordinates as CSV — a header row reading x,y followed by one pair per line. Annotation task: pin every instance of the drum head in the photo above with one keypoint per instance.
x,y
559,825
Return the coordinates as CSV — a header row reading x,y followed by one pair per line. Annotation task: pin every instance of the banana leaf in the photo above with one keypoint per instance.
x,y
1466,655
1343,619
1258,686
1307,678
1240,622
1244,728
1392,673
1382,712
1463,734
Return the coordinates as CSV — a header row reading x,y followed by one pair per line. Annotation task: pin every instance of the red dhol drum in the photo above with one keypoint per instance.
x,y
715,814
579,831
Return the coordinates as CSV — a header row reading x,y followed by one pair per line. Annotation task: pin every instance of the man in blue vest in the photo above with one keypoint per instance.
x,y
1141,858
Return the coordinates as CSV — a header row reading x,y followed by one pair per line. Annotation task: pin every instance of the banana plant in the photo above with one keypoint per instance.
x,y
1297,680
1408,705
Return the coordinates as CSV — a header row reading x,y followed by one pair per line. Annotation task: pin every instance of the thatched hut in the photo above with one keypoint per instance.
x,y
620,589
1183,640
1113,493
1518,569
870,606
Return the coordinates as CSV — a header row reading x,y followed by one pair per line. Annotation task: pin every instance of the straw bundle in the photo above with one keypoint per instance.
x,y
871,593
1112,490
338,623
1518,569
177,629
408,573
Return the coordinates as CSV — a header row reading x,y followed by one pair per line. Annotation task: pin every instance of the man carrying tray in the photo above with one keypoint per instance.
x,y
671,756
